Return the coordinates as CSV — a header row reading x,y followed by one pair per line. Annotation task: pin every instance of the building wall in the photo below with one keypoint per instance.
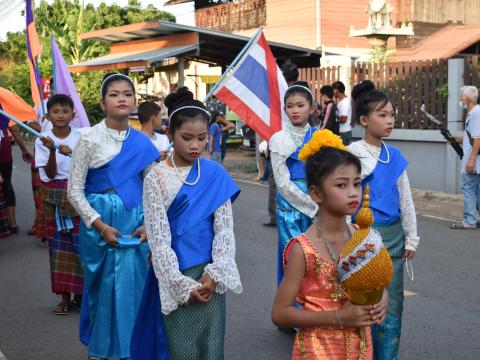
x,y
442,11
291,22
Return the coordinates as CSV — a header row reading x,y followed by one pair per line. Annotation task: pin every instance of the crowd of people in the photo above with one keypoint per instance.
x,y
101,192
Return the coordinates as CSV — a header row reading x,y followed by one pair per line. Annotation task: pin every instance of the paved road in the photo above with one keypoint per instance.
x,y
441,319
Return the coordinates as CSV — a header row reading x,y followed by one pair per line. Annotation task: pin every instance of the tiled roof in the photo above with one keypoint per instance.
x,y
442,44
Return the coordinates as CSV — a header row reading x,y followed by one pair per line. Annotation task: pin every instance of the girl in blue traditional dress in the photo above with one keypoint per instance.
x,y
295,208
189,222
384,170
105,188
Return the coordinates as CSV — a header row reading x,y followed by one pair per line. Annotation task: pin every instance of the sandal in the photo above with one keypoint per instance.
x,y
14,229
32,231
62,309
462,226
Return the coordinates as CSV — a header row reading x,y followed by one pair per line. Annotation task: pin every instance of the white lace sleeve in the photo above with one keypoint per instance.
x,y
224,269
174,287
81,157
296,197
407,213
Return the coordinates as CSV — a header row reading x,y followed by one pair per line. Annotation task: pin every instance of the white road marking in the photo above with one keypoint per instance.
x,y
408,293
2,357
250,182
438,218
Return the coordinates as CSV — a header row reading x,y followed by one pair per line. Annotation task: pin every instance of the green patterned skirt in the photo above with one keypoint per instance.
x,y
386,336
197,331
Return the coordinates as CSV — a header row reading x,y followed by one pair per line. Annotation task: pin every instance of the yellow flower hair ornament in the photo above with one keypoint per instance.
x,y
321,139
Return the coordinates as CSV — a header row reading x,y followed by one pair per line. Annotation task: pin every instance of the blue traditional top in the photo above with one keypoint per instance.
x,y
190,218
191,213
124,172
384,195
294,164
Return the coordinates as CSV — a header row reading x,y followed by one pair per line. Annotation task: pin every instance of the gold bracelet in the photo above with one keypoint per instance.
x,y
338,319
103,230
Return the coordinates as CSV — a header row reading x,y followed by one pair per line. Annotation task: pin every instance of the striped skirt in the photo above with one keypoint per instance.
x,y
65,267
4,227
39,224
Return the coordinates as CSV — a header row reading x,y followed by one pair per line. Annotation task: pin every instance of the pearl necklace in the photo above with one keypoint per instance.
x,y
367,147
180,176
115,137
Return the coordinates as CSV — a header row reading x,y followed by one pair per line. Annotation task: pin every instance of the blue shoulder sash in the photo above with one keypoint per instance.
x,y
384,195
294,164
191,224
124,172
191,213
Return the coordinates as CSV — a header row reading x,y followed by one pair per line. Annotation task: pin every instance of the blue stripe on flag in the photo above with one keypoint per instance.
x,y
254,77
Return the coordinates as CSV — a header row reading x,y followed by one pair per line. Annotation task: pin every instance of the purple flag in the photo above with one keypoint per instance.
x,y
63,84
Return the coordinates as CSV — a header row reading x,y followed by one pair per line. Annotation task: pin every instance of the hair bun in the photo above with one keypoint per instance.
x,y
182,94
362,88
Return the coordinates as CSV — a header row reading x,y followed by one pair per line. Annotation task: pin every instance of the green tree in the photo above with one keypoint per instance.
x,y
66,20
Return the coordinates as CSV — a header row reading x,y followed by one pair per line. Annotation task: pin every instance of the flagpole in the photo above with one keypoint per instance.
x,y
26,127
234,62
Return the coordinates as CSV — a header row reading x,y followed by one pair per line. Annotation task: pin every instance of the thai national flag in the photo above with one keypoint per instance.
x,y
254,89
34,50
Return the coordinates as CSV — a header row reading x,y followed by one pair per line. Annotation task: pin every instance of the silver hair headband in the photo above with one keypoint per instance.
x,y
189,107
123,77
302,87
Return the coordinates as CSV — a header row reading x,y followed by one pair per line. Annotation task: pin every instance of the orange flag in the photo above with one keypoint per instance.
x,y
16,106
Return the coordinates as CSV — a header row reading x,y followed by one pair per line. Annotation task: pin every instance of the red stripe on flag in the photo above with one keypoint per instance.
x,y
275,101
245,113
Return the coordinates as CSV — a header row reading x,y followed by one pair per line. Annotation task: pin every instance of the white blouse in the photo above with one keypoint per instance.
x,y
368,155
96,147
283,144
160,188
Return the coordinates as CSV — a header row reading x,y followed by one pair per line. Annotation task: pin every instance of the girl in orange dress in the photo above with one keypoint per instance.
x,y
328,324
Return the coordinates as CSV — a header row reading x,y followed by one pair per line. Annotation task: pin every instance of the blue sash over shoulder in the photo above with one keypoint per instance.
x,y
190,218
124,172
384,195
294,164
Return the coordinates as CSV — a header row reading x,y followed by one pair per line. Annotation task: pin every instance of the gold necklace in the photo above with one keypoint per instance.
x,y
329,247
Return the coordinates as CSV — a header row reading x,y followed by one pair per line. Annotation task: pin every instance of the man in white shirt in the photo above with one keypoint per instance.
x,y
344,112
471,160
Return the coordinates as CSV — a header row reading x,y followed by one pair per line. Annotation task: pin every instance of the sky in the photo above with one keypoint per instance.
x,y
12,20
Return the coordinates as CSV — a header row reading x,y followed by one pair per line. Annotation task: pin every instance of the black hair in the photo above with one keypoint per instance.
x,y
326,161
366,99
112,77
183,97
290,72
339,86
327,90
60,99
146,110
299,87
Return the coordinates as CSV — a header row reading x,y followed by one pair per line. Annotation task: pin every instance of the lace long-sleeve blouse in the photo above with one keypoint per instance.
x,y
282,145
161,186
368,155
96,147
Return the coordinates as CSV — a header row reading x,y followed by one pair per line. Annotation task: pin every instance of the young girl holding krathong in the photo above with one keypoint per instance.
x,y
329,326
105,188
295,208
189,222
384,170
61,222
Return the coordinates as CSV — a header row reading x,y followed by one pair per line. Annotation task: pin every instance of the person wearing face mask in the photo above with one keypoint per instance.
x,y
470,161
